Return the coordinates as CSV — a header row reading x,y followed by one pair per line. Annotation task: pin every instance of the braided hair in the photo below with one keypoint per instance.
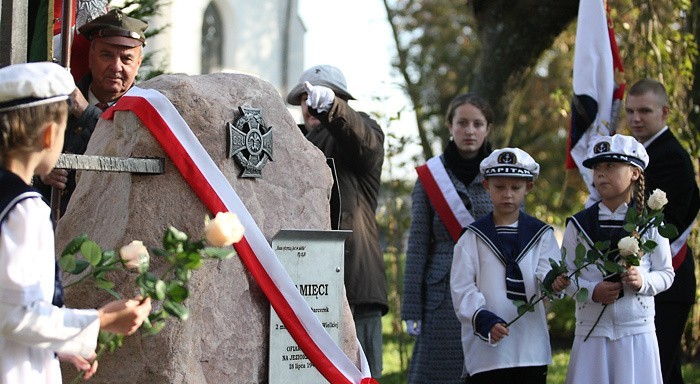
x,y
639,192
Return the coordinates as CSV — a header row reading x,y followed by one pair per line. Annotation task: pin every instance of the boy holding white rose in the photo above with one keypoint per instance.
x,y
614,337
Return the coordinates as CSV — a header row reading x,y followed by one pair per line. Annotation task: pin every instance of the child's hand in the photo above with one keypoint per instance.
x,y
560,283
81,364
606,292
632,278
124,316
498,332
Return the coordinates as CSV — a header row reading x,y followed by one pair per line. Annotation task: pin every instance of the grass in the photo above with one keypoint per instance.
x,y
394,373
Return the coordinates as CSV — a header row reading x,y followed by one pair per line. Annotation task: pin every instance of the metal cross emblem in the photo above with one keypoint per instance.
x,y
250,142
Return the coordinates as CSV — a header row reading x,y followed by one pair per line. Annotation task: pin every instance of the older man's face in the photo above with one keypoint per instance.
x,y
113,68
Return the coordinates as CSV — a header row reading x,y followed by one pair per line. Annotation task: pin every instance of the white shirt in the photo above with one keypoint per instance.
x,y
31,328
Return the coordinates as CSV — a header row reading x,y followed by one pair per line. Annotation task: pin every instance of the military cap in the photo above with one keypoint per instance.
x,y
510,162
118,27
617,148
326,75
30,84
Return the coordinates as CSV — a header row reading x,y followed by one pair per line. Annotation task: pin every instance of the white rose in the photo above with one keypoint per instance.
x,y
224,230
628,246
135,256
657,200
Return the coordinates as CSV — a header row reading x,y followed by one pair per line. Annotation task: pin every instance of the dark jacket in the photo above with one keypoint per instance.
x,y
356,143
671,170
78,132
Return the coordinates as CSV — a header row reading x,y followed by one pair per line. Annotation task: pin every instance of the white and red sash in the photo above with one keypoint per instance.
x,y
443,196
196,166
679,247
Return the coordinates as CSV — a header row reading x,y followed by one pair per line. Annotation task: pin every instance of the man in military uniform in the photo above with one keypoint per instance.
x,y
116,52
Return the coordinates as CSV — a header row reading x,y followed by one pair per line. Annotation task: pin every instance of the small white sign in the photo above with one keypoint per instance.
x,y
314,261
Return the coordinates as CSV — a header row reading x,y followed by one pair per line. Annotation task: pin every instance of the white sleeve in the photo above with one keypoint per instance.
x,y
26,287
660,275
466,297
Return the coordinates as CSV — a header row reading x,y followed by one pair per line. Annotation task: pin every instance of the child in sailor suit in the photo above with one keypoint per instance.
x,y
500,258
35,328
614,339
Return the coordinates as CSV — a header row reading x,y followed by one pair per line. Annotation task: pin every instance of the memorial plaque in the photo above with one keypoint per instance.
x,y
315,261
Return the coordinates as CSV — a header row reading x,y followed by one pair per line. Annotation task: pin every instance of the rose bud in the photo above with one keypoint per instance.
x,y
135,256
657,200
225,229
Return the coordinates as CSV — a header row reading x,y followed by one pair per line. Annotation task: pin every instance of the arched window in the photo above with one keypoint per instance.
x,y
212,40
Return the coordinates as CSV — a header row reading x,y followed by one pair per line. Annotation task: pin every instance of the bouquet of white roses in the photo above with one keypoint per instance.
x,y
181,254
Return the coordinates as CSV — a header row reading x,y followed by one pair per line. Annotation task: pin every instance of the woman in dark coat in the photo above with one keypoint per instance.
x,y
448,195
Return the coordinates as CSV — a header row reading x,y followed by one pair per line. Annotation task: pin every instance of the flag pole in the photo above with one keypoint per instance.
x,y
66,46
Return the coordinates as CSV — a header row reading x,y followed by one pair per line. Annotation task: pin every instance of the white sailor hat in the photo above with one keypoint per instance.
x,y
30,84
617,148
509,162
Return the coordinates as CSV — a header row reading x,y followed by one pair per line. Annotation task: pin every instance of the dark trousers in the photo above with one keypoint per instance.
x,y
670,322
519,375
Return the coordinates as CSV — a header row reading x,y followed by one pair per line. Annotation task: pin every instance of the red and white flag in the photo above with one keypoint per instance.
x,y
597,98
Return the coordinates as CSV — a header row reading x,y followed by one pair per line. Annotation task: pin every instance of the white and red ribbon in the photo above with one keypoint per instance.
x,y
443,196
196,166
679,247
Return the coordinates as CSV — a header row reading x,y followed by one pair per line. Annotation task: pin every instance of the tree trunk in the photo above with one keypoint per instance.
x,y
513,34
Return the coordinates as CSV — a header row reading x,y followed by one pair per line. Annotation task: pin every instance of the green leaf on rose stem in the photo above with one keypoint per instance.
x,y
228,253
195,261
668,231
612,267
176,309
68,263
183,274
177,292
601,245
155,328
74,245
80,266
160,290
629,227
631,216
592,255
581,295
648,245
633,260
104,284
580,251
522,309
91,251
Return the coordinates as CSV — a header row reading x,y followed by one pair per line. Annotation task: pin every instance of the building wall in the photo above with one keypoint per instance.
x,y
253,38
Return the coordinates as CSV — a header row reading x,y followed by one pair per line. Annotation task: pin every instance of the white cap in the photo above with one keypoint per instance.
x,y
30,84
326,75
617,148
510,162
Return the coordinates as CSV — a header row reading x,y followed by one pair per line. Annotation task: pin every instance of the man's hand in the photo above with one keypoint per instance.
x,y
78,103
319,98
413,327
57,178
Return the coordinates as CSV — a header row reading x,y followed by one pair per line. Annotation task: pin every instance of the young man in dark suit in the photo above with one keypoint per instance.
x,y
671,170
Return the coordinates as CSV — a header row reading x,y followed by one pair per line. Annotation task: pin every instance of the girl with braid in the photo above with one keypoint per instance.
x,y
616,345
